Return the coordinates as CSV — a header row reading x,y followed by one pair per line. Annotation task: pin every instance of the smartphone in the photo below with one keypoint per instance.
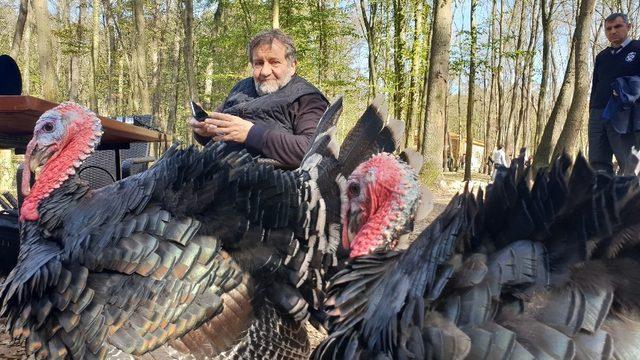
x,y
197,112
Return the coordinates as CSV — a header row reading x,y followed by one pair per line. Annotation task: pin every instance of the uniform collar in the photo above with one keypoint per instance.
x,y
615,50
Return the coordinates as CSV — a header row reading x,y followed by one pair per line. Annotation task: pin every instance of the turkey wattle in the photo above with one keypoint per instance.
x,y
206,254
519,272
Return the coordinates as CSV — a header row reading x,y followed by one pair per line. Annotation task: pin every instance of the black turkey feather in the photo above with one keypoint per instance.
x,y
528,269
207,254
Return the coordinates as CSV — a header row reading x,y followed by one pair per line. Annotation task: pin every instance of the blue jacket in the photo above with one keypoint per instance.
x,y
623,110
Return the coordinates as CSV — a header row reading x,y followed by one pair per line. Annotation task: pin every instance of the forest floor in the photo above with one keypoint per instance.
x,y
450,184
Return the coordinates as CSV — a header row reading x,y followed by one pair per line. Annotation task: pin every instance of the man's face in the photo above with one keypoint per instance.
x,y
271,71
616,30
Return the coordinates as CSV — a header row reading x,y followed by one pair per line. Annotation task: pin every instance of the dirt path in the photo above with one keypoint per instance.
x,y
450,185
9,349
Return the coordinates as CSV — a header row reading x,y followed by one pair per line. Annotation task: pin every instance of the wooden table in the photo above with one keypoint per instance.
x,y
18,115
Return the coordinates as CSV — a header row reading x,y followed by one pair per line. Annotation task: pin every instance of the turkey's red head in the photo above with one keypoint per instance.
x,y
383,194
62,138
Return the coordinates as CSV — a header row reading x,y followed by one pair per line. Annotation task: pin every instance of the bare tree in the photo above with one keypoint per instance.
x,y
75,62
492,84
140,63
499,84
369,22
26,90
426,21
471,92
217,23
558,115
398,57
437,87
175,58
189,59
516,77
111,67
416,58
17,35
568,140
45,50
275,14
526,82
546,16
95,43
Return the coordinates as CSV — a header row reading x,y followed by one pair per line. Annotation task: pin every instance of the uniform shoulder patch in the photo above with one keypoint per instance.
x,y
630,56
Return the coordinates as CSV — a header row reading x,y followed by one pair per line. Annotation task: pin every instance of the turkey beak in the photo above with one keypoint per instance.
x,y
28,167
35,156
351,228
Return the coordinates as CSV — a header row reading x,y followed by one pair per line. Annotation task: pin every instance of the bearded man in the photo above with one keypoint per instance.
x,y
272,114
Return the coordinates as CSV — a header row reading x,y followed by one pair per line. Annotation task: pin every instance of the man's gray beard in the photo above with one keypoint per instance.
x,y
264,88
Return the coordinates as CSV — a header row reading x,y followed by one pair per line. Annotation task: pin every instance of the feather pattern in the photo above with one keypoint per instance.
x,y
523,270
208,253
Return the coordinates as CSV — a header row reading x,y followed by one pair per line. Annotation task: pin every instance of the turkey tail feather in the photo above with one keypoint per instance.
x,y
370,136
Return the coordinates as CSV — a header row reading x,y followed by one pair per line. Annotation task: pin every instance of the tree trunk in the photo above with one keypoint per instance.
x,y
500,86
322,41
189,60
208,102
437,88
471,93
17,34
558,115
426,13
26,70
275,14
368,23
75,62
546,59
208,86
526,81
416,53
140,63
460,105
568,139
160,26
516,82
111,69
45,50
117,104
120,101
174,63
492,85
398,58
95,43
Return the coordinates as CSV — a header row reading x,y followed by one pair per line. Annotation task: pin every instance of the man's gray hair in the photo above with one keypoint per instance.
x,y
267,37
614,16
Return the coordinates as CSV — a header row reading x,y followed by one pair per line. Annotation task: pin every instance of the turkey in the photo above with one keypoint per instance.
x,y
206,254
543,268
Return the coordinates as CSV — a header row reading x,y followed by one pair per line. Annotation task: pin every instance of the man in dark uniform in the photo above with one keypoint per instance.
x,y
608,134
274,113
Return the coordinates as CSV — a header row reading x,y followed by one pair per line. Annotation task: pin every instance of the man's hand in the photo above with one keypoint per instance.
x,y
199,128
222,127
225,127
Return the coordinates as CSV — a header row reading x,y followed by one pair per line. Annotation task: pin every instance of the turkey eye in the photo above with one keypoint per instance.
x,y
48,127
354,189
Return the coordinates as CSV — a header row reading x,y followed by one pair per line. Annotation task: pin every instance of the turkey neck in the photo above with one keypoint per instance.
x,y
58,168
